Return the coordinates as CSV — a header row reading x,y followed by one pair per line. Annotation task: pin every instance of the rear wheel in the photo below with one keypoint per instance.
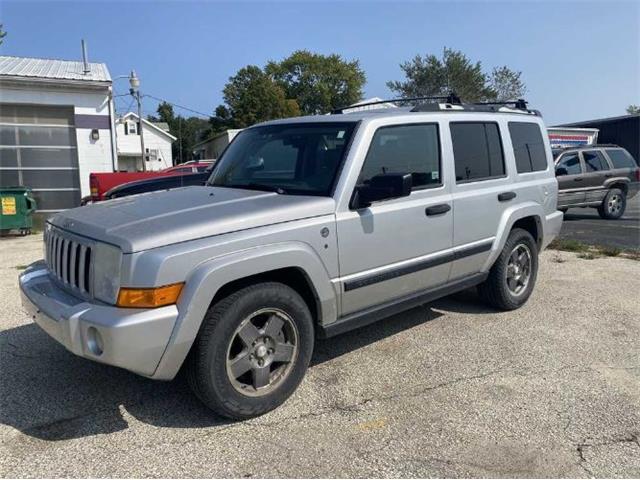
x,y
513,275
252,351
613,205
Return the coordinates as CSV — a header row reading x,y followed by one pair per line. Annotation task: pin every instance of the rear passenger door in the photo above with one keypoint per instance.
x,y
481,193
596,171
570,179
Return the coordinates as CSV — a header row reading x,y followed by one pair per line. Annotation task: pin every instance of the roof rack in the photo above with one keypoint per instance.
x,y
451,98
452,102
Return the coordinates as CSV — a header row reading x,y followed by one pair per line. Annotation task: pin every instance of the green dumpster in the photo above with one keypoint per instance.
x,y
16,210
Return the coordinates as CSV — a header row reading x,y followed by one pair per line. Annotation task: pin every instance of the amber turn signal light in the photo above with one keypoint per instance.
x,y
149,297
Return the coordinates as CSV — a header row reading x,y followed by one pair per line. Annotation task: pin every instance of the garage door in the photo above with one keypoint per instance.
x,y
38,150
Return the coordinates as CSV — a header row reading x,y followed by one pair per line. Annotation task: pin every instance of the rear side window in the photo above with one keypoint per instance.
x,y
413,149
621,158
569,164
477,151
528,147
594,161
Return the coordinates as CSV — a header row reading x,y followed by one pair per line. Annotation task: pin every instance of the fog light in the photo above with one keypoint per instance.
x,y
94,341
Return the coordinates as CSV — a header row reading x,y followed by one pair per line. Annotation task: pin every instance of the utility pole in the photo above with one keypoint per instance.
x,y
134,81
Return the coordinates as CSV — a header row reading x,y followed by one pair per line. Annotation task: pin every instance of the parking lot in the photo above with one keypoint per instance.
x,y
585,225
448,389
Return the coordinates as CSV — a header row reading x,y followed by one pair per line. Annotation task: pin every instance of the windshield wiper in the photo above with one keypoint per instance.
x,y
257,186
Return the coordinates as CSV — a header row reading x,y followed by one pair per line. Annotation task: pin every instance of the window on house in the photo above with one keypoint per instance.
x,y
477,151
528,147
413,149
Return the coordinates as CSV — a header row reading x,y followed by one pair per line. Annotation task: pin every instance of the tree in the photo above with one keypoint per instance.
x,y
251,96
633,109
506,84
318,83
188,131
455,72
3,33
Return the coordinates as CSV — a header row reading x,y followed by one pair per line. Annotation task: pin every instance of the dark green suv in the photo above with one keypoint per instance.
x,y
599,176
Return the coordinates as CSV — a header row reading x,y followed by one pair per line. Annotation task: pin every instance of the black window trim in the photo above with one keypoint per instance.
x,y
483,179
409,124
545,149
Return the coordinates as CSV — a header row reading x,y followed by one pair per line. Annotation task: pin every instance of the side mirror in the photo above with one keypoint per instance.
x,y
382,187
561,171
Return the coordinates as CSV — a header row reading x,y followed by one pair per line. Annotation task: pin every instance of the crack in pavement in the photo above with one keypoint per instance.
x,y
580,448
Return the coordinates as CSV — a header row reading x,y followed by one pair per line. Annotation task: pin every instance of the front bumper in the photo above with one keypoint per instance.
x,y
134,339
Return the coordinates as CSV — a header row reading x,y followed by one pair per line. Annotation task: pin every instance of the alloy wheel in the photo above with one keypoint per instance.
x,y
262,352
519,269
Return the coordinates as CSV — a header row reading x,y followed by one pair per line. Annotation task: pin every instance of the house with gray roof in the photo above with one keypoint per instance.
x,y
56,126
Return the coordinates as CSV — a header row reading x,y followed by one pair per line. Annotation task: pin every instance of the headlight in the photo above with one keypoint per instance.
x,y
106,272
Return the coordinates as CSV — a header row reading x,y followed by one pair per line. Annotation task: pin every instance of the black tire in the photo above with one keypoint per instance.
x,y
613,205
207,365
495,289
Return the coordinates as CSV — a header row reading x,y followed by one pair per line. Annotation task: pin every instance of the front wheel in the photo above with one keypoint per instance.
x,y
513,275
613,205
252,351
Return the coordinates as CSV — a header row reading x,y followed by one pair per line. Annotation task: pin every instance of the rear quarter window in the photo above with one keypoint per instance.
x,y
621,158
528,147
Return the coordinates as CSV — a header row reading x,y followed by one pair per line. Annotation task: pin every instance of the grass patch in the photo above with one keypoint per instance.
x,y
568,245
21,267
609,251
587,255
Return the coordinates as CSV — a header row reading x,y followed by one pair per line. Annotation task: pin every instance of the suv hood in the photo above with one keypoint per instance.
x,y
162,218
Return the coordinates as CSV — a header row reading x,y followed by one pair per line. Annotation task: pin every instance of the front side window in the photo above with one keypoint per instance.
x,y
621,158
413,149
299,158
569,164
528,147
594,161
477,151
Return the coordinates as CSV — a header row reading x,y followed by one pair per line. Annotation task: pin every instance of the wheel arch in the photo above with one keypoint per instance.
x,y
293,263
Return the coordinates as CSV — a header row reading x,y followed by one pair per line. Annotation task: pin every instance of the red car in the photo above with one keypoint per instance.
x,y
100,183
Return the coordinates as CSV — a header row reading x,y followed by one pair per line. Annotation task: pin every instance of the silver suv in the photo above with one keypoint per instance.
x,y
307,227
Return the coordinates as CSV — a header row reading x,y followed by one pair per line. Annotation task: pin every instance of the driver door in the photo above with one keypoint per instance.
x,y
398,246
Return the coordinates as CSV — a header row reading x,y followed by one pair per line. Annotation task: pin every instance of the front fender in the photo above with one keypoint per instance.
x,y
510,216
209,277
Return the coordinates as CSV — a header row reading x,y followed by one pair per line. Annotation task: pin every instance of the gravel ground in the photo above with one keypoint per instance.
x,y
449,389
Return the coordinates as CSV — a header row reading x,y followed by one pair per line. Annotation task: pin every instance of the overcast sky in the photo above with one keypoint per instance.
x,y
579,60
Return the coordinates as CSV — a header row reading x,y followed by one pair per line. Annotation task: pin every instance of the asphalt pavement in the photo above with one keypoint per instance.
x,y
450,389
585,225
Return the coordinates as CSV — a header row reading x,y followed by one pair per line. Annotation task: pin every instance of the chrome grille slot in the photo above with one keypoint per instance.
x,y
69,260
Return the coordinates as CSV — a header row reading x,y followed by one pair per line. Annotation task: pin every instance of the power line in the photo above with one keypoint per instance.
x,y
207,115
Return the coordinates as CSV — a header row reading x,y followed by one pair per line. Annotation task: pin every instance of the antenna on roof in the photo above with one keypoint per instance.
x,y
86,67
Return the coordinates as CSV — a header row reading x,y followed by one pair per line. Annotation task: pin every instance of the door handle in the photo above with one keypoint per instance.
x,y
577,179
506,196
437,209
608,175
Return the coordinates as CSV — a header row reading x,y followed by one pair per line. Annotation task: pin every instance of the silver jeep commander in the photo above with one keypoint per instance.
x,y
307,227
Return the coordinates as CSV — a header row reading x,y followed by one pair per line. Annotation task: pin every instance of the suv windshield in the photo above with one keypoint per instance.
x,y
291,158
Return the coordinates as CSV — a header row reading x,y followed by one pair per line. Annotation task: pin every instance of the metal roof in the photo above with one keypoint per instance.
x,y
601,120
52,69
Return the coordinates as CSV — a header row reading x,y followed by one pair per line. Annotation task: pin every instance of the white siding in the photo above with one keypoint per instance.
x,y
129,145
93,156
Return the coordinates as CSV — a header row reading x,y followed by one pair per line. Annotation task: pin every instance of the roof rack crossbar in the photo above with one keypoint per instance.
x,y
451,98
520,103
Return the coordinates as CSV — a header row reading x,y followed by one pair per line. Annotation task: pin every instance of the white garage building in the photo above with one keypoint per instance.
x,y
52,113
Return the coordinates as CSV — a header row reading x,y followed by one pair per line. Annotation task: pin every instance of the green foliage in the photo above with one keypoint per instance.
x,y
633,109
455,72
189,131
251,96
3,33
507,84
318,83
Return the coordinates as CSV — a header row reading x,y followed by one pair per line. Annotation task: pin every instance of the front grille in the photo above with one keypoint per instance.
x,y
69,260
